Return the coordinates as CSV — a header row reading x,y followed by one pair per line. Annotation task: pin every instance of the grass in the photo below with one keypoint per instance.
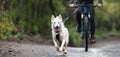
x,y
75,37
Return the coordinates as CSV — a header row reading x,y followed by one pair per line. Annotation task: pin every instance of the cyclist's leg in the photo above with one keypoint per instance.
x,y
92,28
92,23
78,18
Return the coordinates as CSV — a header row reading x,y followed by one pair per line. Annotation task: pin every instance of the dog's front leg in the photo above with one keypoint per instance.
x,y
63,43
55,43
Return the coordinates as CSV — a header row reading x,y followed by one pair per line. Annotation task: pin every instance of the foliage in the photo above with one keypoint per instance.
x,y
6,26
75,38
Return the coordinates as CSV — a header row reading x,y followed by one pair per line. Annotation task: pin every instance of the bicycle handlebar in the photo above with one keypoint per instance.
x,y
76,6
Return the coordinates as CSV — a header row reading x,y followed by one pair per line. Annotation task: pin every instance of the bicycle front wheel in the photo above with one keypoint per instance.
x,y
86,25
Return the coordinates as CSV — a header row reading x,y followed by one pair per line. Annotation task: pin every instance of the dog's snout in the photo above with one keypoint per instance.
x,y
57,27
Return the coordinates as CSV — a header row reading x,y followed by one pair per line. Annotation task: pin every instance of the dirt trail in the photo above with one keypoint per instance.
x,y
103,48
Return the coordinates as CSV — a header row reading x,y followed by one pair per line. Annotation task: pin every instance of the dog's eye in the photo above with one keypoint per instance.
x,y
59,22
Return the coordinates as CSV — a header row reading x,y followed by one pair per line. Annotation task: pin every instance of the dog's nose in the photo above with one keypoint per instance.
x,y
57,27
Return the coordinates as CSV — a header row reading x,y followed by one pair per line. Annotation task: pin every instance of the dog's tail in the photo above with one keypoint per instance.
x,y
52,8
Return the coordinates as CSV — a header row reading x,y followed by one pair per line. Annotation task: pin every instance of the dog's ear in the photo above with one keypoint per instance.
x,y
52,17
60,16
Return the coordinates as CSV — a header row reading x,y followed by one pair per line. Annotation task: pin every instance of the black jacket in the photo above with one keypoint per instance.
x,y
86,1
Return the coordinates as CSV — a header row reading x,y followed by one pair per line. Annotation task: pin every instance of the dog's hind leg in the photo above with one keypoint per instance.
x,y
64,50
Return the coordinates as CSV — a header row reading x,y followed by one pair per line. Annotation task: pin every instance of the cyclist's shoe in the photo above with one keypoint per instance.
x,y
78,28
92,40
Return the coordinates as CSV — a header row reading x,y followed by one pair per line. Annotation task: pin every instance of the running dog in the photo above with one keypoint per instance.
x,y
60,34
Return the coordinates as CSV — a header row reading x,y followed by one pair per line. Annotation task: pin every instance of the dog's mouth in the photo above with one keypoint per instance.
x,y
57,29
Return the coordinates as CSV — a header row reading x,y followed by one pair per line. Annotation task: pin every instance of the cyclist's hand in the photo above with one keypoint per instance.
x,y
71,5
100,5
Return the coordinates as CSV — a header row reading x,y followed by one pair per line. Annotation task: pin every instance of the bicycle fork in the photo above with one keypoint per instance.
x,y
82,23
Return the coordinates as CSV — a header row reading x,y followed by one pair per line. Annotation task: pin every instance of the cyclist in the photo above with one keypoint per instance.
x,y
91,10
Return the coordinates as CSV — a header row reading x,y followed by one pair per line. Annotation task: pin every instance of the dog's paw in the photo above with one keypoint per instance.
x,y
65,52
60,49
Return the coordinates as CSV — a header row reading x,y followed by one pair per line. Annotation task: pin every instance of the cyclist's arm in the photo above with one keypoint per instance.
x,y
100,1
71,1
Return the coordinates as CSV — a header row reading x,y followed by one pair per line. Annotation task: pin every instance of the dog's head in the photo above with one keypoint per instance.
x,y
56,22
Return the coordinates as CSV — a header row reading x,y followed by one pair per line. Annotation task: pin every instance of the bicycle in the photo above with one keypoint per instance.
x,y
85,23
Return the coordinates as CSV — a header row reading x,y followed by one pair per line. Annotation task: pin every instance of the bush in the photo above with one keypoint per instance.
x,y
75,38
6,26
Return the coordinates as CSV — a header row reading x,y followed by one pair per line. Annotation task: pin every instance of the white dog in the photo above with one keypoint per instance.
x,y
59,33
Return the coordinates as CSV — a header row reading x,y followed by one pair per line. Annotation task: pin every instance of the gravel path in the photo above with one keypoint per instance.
x,y
106,48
